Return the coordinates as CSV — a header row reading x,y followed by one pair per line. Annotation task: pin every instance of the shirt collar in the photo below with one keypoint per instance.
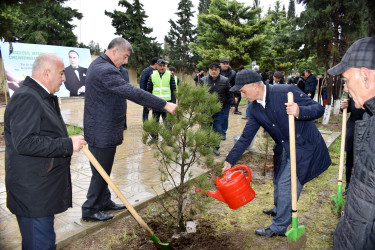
x,y
263,101
44,87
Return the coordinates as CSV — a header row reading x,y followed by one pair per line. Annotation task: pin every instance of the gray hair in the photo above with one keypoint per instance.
x,y
120,43
256,68
43,61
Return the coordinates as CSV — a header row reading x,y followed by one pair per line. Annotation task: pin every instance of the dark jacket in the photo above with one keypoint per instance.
x,y
301,84
230,74
312,153
356,228
105,103
72,83
221,87
172,85
265,77
310,85
37,154
355,115
146,73
198,77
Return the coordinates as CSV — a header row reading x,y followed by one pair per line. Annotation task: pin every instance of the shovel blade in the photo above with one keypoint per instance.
x,y
337,203
295,233
158,243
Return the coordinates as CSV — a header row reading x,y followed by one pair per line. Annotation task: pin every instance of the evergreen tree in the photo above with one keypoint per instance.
x,y
291,9
179,37
230,30
131,26
38,21
203,6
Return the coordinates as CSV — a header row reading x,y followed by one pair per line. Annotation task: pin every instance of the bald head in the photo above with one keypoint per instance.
x,y
48,69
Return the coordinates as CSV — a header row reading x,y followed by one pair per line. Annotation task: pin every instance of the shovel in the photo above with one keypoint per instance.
x,y
337,201
296,231
130,208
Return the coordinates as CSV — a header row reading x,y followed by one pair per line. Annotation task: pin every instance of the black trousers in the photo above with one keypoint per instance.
x,y
348,167
238,95
98,195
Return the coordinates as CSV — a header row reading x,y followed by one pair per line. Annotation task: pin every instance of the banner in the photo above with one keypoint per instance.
x,y
18,59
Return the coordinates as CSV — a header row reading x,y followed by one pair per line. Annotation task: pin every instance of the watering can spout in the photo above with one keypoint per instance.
x,y
217,195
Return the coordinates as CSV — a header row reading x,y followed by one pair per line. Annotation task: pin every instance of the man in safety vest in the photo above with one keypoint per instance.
x,y
176,79
162,84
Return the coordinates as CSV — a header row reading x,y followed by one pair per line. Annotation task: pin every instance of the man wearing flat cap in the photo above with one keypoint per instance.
x,y
219,84
356,228
270,109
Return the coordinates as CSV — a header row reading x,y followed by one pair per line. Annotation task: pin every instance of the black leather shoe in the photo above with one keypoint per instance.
x,y
113,206
98,216
269,212
267,232
238,113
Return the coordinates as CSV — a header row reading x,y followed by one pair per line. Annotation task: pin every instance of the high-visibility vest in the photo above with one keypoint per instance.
x,y
161,85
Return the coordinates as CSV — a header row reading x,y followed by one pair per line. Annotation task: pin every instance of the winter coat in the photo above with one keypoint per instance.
x,y
312,154
356,228
221,87
105,103
230,74
146,73
310,85
37,153
355,114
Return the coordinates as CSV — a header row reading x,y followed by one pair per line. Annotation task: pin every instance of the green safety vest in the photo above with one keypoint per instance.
x,y
161,85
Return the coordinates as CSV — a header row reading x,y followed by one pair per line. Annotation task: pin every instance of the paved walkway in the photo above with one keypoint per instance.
x,y
135,172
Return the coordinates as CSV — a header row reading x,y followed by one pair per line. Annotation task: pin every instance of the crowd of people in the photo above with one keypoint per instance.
x,y
39,150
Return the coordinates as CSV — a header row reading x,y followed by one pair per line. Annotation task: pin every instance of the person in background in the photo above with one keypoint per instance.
x,y
146,73
75,75
355,115
293,79
282,80
310,83
301,82
356,228
104,118
125,75
176,79
219,84
270,109
198,76
38,153
277,77
266,76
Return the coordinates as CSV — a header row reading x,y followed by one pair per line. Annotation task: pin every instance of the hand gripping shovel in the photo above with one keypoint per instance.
x,y
130,208
296,231
337,201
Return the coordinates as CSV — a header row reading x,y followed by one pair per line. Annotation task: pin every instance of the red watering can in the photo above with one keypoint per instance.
x,y
233,187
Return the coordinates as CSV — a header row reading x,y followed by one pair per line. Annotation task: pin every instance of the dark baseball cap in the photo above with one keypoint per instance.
x,y
245,77
224,60
172,69
360,54
161,61
214,64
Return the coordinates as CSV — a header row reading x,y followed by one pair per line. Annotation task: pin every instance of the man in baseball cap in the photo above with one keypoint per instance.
x,y
270,109
356,229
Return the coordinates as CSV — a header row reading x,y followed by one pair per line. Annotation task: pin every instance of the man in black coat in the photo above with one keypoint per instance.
x,y
37,154
104,118
310,83
356,228
146,73
75,75
219,84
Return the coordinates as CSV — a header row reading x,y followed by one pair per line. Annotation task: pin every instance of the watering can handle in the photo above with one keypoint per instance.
x,y
248,178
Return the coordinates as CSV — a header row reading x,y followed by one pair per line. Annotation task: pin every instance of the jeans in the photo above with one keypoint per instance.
x,y
37,233
283,197
224,126
98,195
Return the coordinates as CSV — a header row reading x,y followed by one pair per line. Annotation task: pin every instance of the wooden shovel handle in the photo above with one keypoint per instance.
x,y
293,170
107,179
342,150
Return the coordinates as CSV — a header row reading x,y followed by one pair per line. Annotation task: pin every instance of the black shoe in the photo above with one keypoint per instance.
x,y
269,212
217,152
223,137
113,206
267,232
245,117
98,216
238,113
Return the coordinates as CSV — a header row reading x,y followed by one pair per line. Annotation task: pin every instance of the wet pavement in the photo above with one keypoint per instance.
x,y
135,172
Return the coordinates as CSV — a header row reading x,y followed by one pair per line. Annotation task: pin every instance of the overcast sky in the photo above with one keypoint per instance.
x,y
96,26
